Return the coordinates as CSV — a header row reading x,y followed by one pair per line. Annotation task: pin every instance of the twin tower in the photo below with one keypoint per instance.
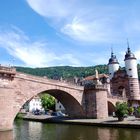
x,y
126,78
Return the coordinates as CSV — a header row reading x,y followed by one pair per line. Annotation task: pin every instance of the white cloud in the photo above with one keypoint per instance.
x,y
90,31
85,21
52,8
32,53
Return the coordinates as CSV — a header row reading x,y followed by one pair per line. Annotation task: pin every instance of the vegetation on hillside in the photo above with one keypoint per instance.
x,y
63,71
66,71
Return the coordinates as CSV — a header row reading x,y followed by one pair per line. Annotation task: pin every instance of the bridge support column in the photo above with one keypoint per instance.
x,y
6,125
96,102
7,113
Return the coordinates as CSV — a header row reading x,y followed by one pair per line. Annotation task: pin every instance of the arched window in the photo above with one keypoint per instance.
x,y
121,91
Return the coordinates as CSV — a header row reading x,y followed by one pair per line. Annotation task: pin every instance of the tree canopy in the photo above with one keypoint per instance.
x,y
48,102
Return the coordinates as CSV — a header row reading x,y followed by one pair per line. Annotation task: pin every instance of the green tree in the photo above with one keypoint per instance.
x,y
121,110
48,102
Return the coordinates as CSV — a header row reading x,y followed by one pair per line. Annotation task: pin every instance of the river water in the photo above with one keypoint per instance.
x,y
28,130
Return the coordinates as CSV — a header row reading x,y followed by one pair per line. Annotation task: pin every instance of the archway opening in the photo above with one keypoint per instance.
x,y
111,109
72,107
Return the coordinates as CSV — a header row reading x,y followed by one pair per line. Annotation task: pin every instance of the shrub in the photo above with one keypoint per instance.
x,y
121,110
138,110
131,110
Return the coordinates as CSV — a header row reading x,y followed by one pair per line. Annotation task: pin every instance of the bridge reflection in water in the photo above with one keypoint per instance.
x,y
26,130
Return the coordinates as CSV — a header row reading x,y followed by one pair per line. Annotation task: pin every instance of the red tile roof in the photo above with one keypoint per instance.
x,y
93,77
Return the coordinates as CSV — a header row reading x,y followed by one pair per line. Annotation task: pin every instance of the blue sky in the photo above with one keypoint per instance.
x,y
43,33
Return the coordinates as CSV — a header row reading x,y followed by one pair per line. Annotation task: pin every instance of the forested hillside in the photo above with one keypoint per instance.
x,y
66,71
63,71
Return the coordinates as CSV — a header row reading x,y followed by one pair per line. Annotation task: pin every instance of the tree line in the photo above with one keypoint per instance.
x,y
66,71
63,71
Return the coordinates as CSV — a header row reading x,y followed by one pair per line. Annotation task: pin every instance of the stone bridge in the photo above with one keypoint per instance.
x,y
17,88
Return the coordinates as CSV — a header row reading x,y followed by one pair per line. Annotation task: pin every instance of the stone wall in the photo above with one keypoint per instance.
x,y
96,102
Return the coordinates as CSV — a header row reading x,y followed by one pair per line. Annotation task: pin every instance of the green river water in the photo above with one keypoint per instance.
x,y
28,130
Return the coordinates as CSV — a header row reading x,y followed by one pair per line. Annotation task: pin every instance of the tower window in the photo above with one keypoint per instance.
x,y
129,69
131,85
131,90
110,73
130,76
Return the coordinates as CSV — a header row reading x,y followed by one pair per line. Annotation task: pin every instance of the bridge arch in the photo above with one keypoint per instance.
x,y
72,106
17,92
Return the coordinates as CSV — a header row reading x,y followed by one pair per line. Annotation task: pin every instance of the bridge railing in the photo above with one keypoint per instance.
x,y
45,79
117,97
7,69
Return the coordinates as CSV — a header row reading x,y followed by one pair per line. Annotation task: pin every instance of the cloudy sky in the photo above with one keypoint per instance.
x,y
42,33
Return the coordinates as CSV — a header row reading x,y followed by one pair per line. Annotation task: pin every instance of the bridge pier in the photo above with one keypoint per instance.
x,y
96,102
7,110
6,125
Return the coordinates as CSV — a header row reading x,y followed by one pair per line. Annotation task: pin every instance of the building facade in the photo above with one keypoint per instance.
x,y
124,82
35,104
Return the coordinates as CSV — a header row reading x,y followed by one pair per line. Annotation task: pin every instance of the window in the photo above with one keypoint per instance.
x,y
129,69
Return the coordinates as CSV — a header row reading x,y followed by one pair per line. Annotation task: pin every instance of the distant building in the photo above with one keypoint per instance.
x,y
59,106
103,78
120,82
125,82
35,104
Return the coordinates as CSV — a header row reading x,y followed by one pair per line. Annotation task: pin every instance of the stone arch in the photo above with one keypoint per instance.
x,y
72,106
111,108
23,88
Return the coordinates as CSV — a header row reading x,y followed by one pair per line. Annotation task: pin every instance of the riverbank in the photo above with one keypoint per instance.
x,y
130,122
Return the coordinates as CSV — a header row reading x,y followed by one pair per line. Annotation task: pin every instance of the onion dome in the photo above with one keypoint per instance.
x,y
113,59
129,54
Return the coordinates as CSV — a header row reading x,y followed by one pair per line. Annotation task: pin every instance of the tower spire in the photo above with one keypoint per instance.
x,y
129,54
128,47
112,51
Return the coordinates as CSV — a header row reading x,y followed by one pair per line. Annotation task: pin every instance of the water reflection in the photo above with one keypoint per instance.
x,y
24,130
7,135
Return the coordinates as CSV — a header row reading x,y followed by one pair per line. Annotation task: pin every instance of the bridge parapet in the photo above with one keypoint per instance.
x,y
7,69
47,81
95,86
117,97
7,72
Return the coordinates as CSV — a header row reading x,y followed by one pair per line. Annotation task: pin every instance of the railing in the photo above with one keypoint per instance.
x,y
117,97
46,80
7,69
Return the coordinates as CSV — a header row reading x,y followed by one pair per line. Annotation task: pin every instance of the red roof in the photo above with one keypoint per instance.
x,y
93,77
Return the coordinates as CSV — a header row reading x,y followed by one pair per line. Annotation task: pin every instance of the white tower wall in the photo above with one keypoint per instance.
x,y
131,68
132,72
112,68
